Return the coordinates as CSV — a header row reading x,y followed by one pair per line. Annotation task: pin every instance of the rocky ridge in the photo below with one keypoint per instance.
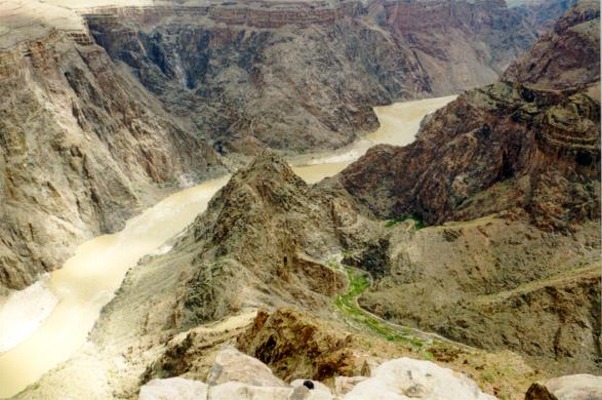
x,y
81,144
248,72
263,242
509,177
184,82
509,144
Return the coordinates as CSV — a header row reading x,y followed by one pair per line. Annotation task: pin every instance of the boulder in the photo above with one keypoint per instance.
x,y
232,365
405,378
173,388
238,390
570,387
319,392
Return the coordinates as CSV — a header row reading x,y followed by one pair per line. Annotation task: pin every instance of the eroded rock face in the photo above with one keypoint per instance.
x,y
79,143
526,150
260,244
567,57
498,284
297,345
261,241
304,75
511,144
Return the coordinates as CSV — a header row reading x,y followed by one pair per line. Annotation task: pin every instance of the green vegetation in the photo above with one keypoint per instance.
x,y
347,304
487,377
416,218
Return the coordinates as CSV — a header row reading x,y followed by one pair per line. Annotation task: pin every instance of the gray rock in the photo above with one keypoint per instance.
x,y
570,387
232,365
173,388
405,378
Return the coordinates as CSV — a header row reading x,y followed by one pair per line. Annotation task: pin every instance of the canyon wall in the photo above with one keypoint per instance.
x,y
509,177
82,147
530,140
107,105
305,75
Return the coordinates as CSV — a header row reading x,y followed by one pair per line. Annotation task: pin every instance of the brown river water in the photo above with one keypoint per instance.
x,y
48,322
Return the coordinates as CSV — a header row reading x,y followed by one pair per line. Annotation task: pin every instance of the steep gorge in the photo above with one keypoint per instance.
x,y
267,235
508,176
83,147
304,76
111,105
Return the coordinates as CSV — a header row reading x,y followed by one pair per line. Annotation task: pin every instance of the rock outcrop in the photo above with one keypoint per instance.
x,y
305,75
570,387
518,162
297,345
405,378
263,242
82,146
498,284
518,143
565,58
401,379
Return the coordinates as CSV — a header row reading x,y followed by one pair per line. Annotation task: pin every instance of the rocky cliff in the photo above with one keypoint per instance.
x,y
530,140
263,242
242,74
88,138
81,147
509,178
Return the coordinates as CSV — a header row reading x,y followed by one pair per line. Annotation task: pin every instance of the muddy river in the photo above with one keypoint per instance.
x,y
48,322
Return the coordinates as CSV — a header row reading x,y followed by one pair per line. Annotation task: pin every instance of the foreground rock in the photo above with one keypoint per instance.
x,y
412,379
396,379
571,387
173,388
297,345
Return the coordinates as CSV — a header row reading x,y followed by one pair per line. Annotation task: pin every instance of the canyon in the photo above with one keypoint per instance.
x,y
139,99
485,229
508,176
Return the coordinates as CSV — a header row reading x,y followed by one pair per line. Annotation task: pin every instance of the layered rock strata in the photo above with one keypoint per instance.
x,y
531,141
509,177
80,144
242,74
184,78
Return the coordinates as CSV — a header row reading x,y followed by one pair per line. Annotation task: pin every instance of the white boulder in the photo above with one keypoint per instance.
x,y
173,388
576,387
405,379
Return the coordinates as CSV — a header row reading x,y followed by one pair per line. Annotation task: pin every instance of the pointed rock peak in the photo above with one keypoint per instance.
x,y
269,166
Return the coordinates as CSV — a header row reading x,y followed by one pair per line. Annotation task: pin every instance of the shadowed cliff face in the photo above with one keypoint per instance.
x,y
87,138
509,175
79,144
519,143
302,76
